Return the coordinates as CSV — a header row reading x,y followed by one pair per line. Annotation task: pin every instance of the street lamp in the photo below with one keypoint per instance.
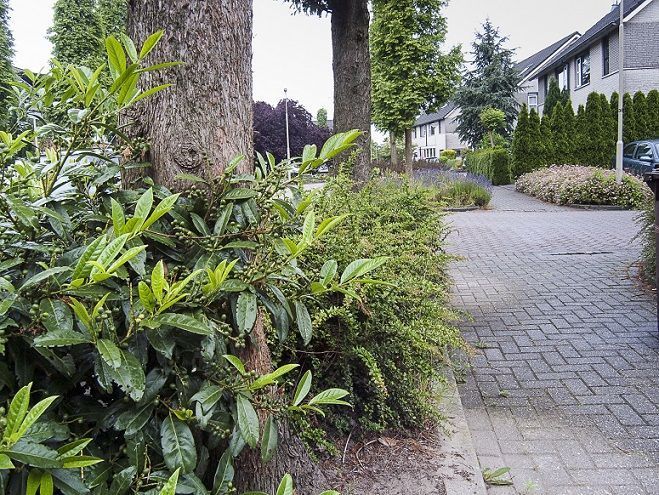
x,y
288,141
621,91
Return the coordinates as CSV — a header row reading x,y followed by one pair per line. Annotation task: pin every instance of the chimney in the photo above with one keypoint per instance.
x,y
615,6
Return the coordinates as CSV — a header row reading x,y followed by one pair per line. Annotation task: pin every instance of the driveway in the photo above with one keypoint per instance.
x,y
564,382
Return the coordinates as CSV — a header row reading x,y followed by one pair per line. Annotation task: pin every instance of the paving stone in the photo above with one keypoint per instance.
x,y
572,340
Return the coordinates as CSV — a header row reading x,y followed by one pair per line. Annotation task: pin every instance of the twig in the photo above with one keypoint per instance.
x,y
345,449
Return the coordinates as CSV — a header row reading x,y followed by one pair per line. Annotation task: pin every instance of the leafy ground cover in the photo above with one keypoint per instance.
x,y
575,184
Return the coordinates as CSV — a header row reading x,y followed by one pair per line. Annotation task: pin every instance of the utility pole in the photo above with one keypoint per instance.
x,y
621,91
288,141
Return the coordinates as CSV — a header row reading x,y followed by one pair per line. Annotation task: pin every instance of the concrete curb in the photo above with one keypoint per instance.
x,y
462,473
598,207
462,208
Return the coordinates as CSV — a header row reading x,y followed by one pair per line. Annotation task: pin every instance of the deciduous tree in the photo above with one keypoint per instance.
x,y
6,56
492,82
321,117
409,70
76,33
112,15
352,70
270,129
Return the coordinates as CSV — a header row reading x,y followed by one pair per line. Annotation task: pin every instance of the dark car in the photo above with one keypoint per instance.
x,y
640,157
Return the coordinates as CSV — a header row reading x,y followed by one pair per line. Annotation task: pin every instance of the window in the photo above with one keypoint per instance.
x,y
533,101
583,69
606,56
563,77
644,152
629,150
414,132
422,131
432,130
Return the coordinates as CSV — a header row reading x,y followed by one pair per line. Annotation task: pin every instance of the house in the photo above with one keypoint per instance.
x,y
434,132
590,62
528,69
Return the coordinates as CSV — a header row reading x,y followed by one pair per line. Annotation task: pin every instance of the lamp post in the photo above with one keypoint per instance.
x,y
288,141
621,91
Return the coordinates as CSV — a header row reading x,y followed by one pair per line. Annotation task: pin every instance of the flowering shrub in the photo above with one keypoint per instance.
x,y
573,184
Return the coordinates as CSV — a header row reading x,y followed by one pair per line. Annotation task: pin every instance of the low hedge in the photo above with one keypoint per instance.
x,y
575,184
385,346
493,163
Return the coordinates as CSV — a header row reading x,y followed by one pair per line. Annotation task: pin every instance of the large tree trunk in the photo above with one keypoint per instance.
x,y
198,126
204,120
409,157
352,76
394,151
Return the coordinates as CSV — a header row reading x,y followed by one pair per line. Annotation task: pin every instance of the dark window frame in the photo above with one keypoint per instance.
x,y
582,77
606,56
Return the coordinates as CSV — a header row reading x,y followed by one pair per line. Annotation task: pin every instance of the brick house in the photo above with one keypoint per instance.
x,y
590,62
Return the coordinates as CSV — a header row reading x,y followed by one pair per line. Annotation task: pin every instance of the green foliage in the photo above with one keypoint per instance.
x,y
493,121
547,140
446,155
553,97
6,68
113,15
653,113
384,346
647,235
493,163
628,119
321,117
134,306
492,82
595,146
463,193
521,145
76,34
641,117
408,69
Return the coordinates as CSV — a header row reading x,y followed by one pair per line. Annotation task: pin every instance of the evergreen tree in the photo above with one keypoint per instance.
x,y
558,132
76,34
552,98
565,96
521,146
641,117
570,142
594,131
6,67
653,113
321,117
112,15
409,71
580,136
628,119
614,109
536,146
547,140
492,82
609,135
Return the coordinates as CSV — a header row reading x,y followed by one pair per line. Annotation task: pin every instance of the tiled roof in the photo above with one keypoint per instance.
x,y
435,116
600,29
528,65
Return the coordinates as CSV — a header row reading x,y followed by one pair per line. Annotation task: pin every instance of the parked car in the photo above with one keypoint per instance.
x,y
641,157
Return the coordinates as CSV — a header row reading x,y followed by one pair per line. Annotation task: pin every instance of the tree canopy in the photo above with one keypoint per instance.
x,y
492,82
410,73
76,33
270,129
6,56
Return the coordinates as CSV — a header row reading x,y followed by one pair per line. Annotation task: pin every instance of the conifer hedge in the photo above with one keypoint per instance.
x,y
587,138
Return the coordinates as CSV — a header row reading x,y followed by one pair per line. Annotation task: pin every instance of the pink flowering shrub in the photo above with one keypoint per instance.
x,y
574,184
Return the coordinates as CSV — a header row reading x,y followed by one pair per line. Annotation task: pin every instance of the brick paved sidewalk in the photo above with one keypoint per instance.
x,y
564,387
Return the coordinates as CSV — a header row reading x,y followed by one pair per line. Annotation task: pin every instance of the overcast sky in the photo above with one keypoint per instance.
x,y
295,51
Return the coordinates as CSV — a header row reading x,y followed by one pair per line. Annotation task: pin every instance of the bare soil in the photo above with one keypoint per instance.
x,y
391,463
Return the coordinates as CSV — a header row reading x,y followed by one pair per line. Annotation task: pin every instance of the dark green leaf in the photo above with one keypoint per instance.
x,y
178,445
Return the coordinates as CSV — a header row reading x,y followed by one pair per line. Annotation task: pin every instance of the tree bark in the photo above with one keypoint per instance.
x,y
205,119
352,76
394,151
408,152
198,126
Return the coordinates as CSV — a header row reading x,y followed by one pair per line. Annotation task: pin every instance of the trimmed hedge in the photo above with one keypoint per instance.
x,y
493,163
